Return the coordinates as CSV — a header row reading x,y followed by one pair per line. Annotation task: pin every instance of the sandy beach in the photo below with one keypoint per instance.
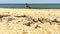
x,y
29,21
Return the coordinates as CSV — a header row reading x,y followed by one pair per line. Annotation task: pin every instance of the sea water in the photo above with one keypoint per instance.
x,y
30,5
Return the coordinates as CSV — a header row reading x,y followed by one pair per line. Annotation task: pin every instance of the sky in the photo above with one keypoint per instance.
x,y
29,1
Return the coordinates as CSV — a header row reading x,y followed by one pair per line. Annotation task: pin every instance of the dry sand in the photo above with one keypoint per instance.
x,y
29,21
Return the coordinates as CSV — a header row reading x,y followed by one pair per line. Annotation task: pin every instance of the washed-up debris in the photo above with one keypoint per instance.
x,y
21,16
30,19
55,20
27,24
4,16
37,26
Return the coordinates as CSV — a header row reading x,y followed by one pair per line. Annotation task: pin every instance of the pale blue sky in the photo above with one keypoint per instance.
x,y
29,1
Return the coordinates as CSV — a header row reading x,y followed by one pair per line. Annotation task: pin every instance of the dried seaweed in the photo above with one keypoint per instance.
x,y
29,18
40,21
34,20
37,26
27,24
1,16
55,20
21,16
10,19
